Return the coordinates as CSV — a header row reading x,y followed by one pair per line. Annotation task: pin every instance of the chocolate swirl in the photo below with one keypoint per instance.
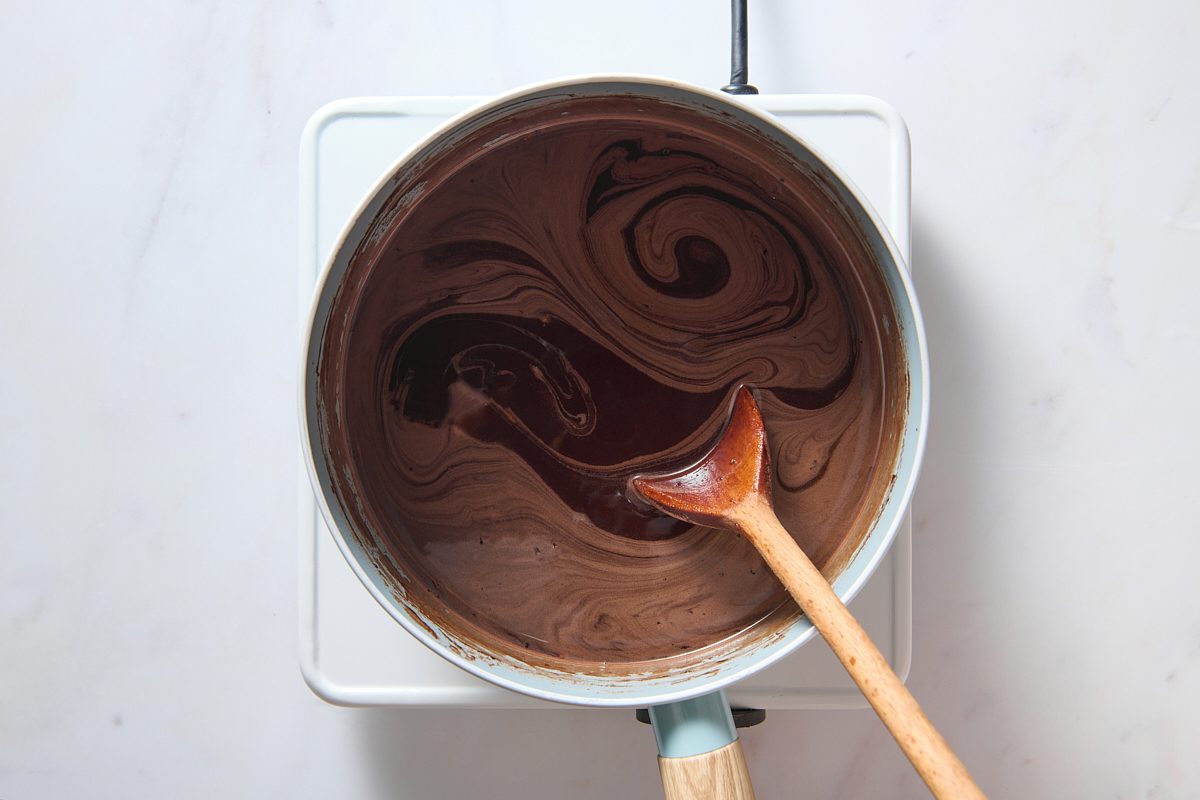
x,y
571,300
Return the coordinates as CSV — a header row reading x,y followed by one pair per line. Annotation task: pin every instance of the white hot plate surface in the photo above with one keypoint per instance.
x,y
351,651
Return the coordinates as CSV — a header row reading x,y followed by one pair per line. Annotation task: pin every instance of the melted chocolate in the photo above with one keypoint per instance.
x,y
570,298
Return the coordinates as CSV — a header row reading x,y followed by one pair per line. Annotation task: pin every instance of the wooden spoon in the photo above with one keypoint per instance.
x,y
731,488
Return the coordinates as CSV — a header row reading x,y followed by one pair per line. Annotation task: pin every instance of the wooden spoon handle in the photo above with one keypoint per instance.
x,y
938,766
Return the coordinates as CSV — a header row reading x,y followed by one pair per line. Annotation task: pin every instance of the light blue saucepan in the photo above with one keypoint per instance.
x,y
687,705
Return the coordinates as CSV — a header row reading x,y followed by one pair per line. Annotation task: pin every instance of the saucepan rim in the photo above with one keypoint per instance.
x,y
661,686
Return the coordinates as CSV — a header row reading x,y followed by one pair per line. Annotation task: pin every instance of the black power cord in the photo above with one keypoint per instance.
x,y
739,73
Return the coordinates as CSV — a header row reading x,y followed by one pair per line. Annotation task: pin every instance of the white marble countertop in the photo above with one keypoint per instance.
x,y
148,221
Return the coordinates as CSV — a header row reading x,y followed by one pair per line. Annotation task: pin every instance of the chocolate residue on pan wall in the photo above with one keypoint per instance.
x,y
571,297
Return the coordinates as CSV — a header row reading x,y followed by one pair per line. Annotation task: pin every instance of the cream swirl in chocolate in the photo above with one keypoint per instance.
x,y
571,297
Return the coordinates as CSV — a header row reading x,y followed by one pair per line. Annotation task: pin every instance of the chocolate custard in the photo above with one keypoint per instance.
x,y
571,296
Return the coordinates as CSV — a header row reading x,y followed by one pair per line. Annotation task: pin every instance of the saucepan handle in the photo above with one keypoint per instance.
x,y
700,757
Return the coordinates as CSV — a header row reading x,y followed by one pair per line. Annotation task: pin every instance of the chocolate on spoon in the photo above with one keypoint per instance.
x,y
731,488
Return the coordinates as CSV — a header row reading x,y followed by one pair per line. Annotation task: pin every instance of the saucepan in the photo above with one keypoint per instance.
x,y
690,715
